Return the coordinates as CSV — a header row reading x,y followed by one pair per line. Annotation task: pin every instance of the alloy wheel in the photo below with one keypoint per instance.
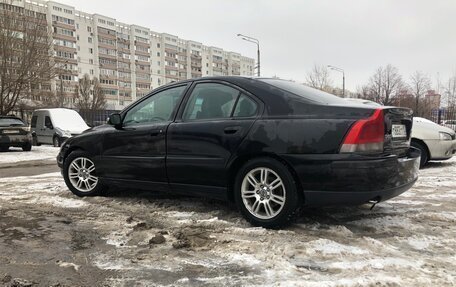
x,y
81,174
263,193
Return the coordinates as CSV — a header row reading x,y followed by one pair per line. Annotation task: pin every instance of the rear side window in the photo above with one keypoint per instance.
x,y
210,101
245,107
8,122
306,92
34,120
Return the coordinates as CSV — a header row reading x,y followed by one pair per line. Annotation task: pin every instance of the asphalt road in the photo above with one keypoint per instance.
x,y
30,169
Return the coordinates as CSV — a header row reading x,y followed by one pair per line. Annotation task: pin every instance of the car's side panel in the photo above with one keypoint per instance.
x,y
296,136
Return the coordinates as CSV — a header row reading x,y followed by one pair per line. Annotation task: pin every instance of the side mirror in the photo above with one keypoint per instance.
x,y
115,120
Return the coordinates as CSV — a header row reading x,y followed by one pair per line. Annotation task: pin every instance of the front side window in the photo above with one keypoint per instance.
x,y
157,108
48,123
210,101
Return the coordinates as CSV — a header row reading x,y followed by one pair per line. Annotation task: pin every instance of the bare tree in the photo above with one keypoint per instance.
x,y
90,95
385,84
98,97
319,78
25,54
364,92
450,93
419,84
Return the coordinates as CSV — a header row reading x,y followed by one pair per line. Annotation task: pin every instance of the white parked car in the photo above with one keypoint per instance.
x,y
53,126
435,142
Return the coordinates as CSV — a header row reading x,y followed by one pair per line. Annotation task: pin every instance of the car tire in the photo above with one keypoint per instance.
x,y
56,142
266,193
80,176
35,141
424,152
4,148
27,146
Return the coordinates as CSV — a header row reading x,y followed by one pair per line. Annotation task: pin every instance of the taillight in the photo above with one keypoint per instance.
x,y
366,135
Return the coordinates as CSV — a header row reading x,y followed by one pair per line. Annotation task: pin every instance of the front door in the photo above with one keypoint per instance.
x,y
48,130
216,118
137,150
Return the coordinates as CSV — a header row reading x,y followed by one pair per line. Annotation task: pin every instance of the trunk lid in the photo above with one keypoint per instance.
x,y
398,130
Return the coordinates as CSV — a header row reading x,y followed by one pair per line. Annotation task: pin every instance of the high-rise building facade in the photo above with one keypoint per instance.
x,y
129,60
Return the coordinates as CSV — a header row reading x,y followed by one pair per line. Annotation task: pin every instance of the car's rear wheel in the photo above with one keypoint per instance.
x,y
266,193
56,141
424,152
27,146
80,175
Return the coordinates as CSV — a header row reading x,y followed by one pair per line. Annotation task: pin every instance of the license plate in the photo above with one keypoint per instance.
x,y
399,131
10,132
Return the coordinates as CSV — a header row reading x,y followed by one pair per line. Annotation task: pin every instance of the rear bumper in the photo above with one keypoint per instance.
x,y
15,140
353,180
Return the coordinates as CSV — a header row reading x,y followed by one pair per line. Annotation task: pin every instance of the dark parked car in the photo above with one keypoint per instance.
x,y
14,132
269,145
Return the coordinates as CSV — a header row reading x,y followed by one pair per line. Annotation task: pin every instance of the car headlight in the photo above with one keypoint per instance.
x,y
445,136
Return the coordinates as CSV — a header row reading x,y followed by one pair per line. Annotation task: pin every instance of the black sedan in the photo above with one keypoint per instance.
x,y
269,145
14,133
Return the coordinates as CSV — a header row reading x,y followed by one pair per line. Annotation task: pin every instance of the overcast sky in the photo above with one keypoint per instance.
x,y
356,35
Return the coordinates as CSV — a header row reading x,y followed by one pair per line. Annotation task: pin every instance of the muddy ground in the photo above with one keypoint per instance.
x,y
48,237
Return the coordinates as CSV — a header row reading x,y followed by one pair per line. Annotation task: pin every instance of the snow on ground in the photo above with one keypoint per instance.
x,y
16,156
407,241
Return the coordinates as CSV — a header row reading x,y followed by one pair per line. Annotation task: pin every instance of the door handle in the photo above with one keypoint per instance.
x,y
156,132
231,130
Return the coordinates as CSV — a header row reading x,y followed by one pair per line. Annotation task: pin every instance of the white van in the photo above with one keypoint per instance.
x,y
53,126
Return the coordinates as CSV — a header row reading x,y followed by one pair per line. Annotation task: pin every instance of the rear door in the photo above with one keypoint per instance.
x,y
215,119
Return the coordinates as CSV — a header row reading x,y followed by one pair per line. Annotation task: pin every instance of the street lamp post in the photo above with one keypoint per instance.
x,y
343,77
253,40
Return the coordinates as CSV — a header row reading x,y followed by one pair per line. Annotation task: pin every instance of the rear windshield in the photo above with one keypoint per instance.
x,y
11,122
306,92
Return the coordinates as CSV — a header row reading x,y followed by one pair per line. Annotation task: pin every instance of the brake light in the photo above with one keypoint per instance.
x,y
366,135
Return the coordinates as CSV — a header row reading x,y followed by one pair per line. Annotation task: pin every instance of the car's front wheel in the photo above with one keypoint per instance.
x,y
80,174
424,152
56,141
266,193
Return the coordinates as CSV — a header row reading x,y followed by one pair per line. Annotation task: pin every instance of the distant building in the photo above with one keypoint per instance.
x,y
432,100
129,60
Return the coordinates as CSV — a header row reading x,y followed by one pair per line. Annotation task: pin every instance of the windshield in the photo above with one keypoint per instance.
x,y
9,122
68,120
306,92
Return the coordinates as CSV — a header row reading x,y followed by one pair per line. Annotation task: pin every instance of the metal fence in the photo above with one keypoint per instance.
x,y
96,117
441,116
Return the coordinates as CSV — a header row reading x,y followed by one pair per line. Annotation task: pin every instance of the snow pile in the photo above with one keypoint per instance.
x,y
16,156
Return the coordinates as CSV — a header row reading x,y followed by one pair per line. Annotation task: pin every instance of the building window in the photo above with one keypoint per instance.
x,y
89,29
91,71
158,54
89,39
158,45
90,50
91,61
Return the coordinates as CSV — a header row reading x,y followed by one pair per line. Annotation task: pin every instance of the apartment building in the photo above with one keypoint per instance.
x,y
129,60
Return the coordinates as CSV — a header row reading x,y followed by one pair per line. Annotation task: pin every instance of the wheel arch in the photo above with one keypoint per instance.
x,y
239,161
425,145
